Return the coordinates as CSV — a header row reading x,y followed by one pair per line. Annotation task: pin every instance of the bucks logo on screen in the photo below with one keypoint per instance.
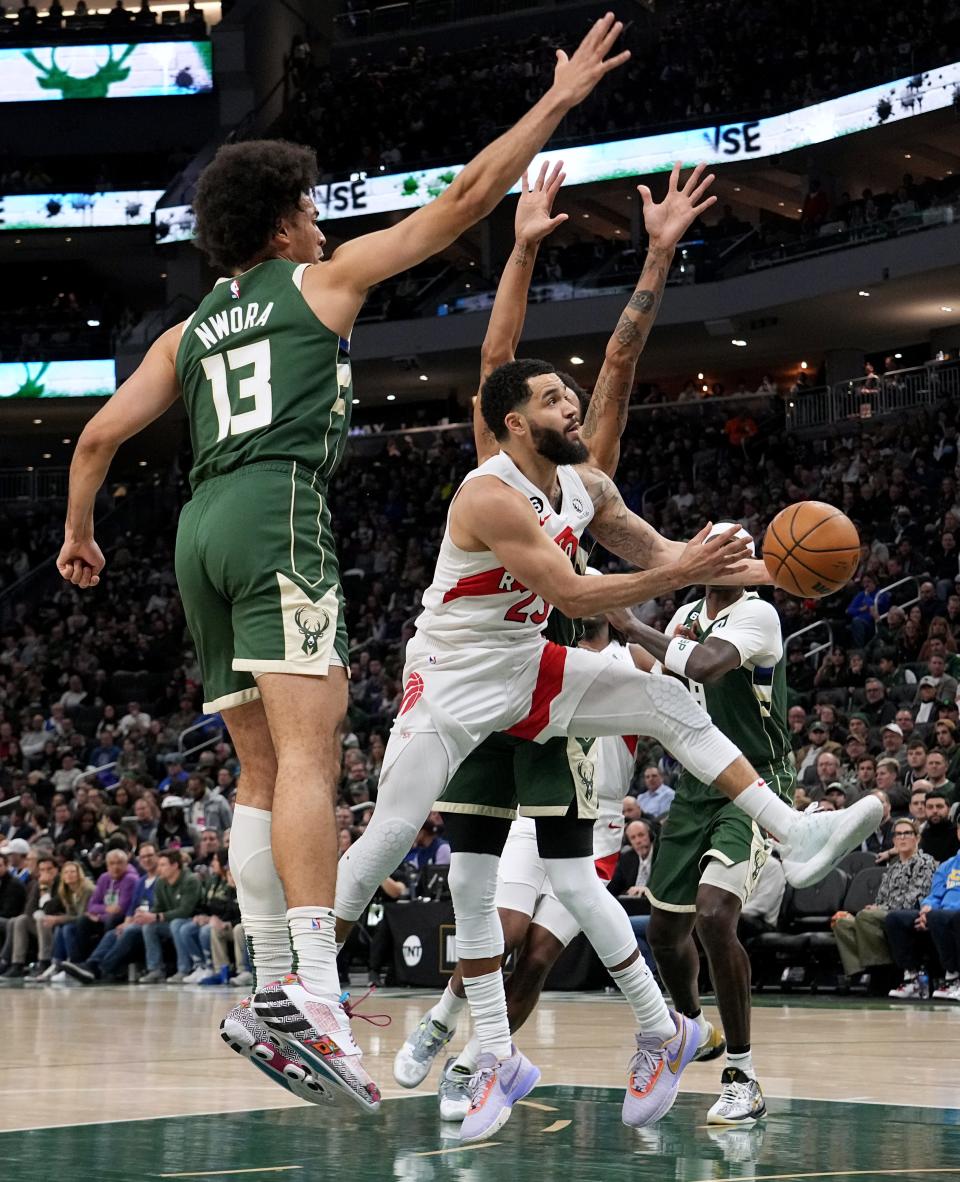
x,y
312,626
94,86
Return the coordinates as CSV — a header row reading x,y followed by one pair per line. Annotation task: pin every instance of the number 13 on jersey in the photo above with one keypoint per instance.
x,y
255,386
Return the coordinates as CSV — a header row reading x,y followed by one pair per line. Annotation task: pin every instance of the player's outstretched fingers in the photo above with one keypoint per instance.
x,y
692,180
700,191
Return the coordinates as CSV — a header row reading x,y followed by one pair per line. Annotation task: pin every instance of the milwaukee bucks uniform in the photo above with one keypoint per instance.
x,y
268,393
707,838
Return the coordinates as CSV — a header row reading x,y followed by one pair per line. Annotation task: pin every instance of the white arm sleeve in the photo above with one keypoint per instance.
x,y
753,629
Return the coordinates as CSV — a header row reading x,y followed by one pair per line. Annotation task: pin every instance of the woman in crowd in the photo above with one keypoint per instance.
x,y
73,893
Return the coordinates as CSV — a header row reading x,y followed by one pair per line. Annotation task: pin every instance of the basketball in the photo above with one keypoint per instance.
x,y
811,549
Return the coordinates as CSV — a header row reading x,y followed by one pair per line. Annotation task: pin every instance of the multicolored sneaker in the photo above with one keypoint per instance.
x,y
741,1100
949,991
495,1087
413,1061
655,1072
908,991
319,1029
712,1045
819,840
454,1091
242,1033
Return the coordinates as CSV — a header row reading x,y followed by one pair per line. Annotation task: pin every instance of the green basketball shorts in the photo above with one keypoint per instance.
x,y
259,579
707,839
505,774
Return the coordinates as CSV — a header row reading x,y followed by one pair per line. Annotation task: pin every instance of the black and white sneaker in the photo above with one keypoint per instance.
x,y
741,1100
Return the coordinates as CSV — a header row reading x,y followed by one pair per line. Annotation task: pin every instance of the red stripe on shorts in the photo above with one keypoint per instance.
x,y
549,684
606,866
631,742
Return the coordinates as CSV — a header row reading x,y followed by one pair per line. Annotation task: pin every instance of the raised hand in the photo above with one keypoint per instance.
x,y
533,221
668,220
706,559
575,77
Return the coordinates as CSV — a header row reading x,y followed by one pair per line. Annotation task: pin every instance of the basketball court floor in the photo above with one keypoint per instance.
x,y
128,1083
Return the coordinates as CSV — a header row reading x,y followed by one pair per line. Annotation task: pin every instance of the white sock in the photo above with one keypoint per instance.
x,y
448,1008
742,1062
314,945
263,907
488,1007
768,810
467,1059
702,1024
639,988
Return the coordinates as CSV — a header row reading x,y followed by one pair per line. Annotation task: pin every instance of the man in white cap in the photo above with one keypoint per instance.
x,y
710,854
16,851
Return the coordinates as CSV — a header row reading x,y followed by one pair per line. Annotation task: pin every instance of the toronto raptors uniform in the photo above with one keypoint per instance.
x,y
523,884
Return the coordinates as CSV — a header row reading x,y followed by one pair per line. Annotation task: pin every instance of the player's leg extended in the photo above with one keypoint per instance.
x,y
621,700
665,1043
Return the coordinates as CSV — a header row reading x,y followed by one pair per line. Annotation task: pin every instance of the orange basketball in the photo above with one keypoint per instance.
x,y
811,549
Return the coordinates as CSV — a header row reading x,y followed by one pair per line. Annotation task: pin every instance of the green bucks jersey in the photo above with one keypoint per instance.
x,y
263,378
748,704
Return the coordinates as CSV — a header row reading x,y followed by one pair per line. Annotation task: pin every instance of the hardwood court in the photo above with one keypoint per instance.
x,y
126,1083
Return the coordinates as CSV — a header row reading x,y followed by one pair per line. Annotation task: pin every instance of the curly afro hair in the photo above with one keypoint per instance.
x,y
242,193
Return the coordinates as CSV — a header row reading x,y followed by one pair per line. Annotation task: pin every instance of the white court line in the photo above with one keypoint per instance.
x,y
230,1173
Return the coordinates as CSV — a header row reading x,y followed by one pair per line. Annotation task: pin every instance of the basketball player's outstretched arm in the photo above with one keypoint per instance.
x,y
357,265
149,391
666,222
631,538
487,515
534,220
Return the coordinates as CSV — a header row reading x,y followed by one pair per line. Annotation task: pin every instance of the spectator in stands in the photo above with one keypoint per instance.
x,y
144,18
918,801
926,704
148,817
938,915
938,838
824,772
107,906
631,810
118,16
175,901
880,842
173,831
21,935
205,852
936,773
207,809
892,742
861,938
761,911
819,743
193,939
657,797
134,722
888,781
16,852
73,895
633,868
429,847
877,710
176,775
945,737
916,761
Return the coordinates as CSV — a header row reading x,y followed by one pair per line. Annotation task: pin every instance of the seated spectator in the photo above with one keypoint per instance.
x,y
429,847
893,744
936,773
73,894
918,801
888,781
861,938
173,831
925,704
108,905
630,879
135,722
657,797
938,837
175,777
13,898
819,742
824,772
631,810
916,768
21,937
945,737
148,817
938,915
175,901
877,710
206,809
833,795
17,851
217,905
761,910
123,943
206,852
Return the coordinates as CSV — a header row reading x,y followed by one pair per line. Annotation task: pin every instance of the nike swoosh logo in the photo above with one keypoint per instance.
x,y
614,825
674,1064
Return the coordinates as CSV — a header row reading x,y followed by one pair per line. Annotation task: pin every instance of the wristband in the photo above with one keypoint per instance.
x,y
679,651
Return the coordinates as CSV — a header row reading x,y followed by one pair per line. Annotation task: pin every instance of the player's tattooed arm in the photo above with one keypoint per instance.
x,y
533,221
666,222
621,531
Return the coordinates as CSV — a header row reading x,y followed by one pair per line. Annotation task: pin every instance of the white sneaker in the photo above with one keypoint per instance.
x,y
741,1100
908,991
243,978
197,975
59,978
454,1091
49,973
949,992
318,1028
413,1061
819,840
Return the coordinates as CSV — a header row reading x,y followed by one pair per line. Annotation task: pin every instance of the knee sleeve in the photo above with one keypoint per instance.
x,y
473,886
604,922
414,775
259,889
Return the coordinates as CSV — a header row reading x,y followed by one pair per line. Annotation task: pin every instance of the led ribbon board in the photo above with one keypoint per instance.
x,y
144,70
719,144
78,211
58,379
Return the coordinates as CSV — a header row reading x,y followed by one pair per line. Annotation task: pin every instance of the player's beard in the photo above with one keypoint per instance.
x,y
557,447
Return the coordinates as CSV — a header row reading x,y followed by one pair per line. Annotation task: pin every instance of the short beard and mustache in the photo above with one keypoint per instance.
x,y
556,447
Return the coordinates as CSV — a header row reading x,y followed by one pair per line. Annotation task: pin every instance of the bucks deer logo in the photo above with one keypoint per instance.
x,y
312,625
97,85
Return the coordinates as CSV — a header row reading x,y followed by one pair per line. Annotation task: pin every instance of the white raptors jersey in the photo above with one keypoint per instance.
x,y
475,601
